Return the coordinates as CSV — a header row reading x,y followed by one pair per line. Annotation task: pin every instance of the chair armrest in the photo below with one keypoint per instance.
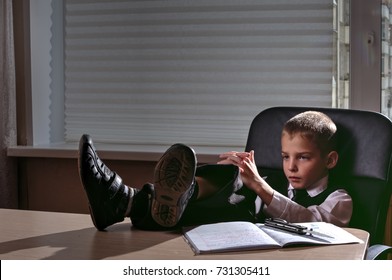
x,y
378,252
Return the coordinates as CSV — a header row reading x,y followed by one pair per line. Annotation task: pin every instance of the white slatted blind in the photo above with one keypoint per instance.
x,y
197,72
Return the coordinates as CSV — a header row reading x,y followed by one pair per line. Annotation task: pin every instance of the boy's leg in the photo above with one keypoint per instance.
x,y
228,198
153,207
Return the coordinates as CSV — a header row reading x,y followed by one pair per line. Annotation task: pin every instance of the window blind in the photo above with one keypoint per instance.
x,y
197,72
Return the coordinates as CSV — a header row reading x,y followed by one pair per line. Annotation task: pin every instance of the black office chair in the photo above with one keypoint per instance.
x,y
364,167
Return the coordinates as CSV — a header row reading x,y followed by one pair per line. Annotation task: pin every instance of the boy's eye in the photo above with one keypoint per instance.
x,y
285,157
303,157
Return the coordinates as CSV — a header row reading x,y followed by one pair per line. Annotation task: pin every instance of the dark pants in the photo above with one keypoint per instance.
x,y
232,201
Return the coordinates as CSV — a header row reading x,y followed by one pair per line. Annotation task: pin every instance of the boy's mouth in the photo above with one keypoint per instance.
x,y
294,179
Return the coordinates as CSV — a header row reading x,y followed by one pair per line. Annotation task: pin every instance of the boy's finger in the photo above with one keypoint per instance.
x,y
252,155
242,154
227,154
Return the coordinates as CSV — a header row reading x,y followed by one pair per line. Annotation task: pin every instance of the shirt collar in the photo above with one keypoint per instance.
x,y
316,188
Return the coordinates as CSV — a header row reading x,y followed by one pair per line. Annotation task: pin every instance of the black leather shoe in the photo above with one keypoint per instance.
x,y
108,197
174,179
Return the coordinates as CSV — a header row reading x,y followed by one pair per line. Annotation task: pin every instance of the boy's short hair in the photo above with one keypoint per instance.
x,y
316,127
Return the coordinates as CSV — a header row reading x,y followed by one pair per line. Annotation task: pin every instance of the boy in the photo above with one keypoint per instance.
x,y
184,194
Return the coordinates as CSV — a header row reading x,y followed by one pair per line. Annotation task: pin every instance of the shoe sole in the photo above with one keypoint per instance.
x,y
173,177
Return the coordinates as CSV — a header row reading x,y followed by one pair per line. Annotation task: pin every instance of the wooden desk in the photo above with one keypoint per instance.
x,y
47,235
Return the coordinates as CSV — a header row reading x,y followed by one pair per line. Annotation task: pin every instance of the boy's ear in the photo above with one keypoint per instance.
x,y
332,159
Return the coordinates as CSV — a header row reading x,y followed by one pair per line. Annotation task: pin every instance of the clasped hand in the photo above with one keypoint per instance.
x,y
246,164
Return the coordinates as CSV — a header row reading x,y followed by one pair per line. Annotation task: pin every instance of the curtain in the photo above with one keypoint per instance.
x,y
196,72
8,167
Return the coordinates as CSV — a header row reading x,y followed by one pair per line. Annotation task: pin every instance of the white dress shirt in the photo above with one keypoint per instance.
x,y
336,209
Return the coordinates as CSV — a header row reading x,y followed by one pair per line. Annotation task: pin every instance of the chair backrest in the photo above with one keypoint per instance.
x,y
364,165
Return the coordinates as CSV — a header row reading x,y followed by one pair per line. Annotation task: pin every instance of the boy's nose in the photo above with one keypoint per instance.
x,y
292,166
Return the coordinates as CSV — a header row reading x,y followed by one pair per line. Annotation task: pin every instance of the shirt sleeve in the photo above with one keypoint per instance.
x,y
336,209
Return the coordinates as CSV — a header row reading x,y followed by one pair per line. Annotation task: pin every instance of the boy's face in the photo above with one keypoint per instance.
x,y
303,163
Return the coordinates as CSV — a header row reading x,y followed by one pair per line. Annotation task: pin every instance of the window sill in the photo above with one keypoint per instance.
x,y
113,152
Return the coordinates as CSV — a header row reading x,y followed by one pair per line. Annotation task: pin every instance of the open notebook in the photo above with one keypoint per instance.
x,y
236,236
